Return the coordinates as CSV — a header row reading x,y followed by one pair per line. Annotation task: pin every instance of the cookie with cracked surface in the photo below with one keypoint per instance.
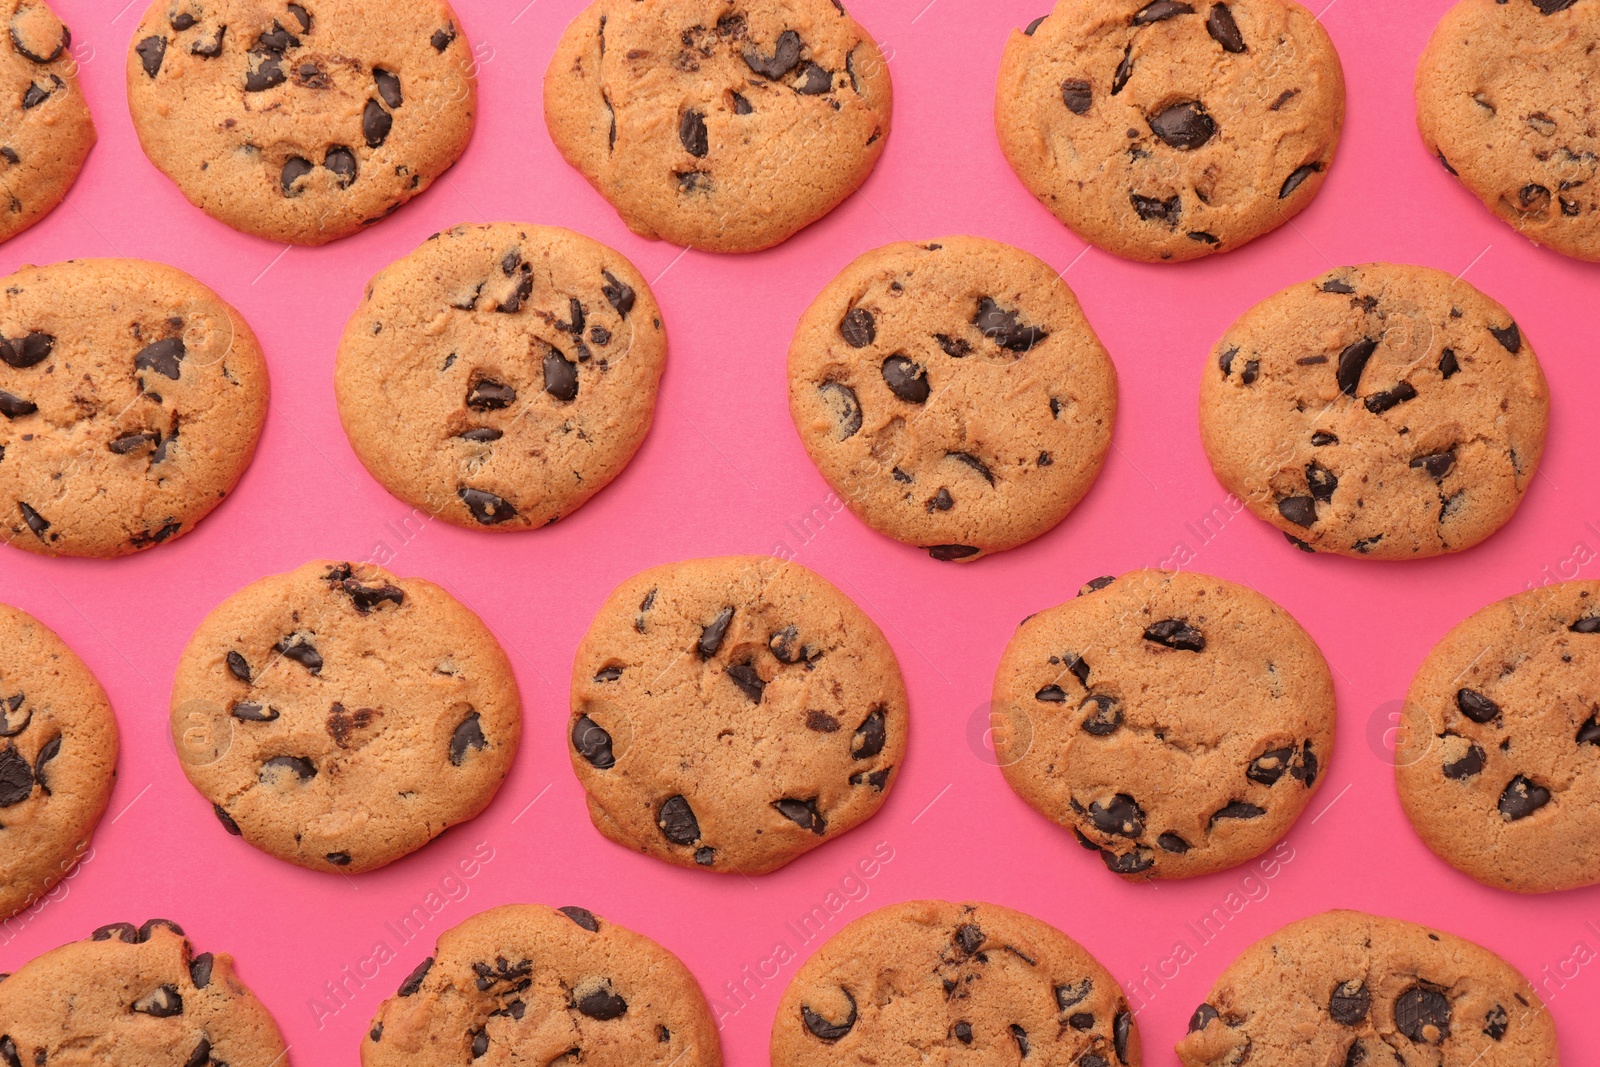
x,y
1385,411
1508,101
953,394
1498,766
733,713
134,996
977,982
301,120
525,983
45,128
499,376
725,125
1349,988
58,759
339,717
1176,723
132,397
1163,130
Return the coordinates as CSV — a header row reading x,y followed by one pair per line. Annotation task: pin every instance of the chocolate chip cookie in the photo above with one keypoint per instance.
x,y
953,394
733,713
301,120
529,984
1166,130
1508,101
1498,764
1355,989
929,981
339,717
1385,411
726,125
134,996
58,759
131,399
1176,723
501,375
45,128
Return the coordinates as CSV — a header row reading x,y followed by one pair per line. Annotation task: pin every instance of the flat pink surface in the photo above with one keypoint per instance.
x,y
724,472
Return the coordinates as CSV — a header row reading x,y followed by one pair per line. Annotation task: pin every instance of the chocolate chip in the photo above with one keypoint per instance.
x,y
1495,1022
619,295
786,647
951,553
467,737
1202,1018
1184,125
200,970
413,980
1352,361
858,328
1321,480
818,81
677,822
265,72
714,633
487,394
741,106
841,399
486,508
162,357
293,170
12,724
226,820
1155,209
560,376
1223,29
803,813
1120,816
441,38
1588,733
1104,717
941,501
1237,809
1448,365
1468,765
821,722
338,859
1159,11
1051,694
705,857
1510,337
163,1002
1322,438
1550,7
1522,797
1294,180
1268,767
1077,94
27,351
593,743
342,162
906,379
692,133
124,932
1438,464
1423,1015
299,766
785,57
1350,1003
582,916
480,1043
1020,1036
35,521
1004,328
152,50
1173,843
1034,25
601,1003
375,123
16,777
1378,403
1175,633
1136,862
302,16
246,711
209,47
748,679
824,1030
301,652
1589,625
1300,510
388,87
962,1032
1476,706
1121,1032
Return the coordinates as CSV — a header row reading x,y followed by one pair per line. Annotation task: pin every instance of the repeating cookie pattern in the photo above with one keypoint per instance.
x,y
301,121
1387,411
733,713
1498,764
45,128
953,394
339,717
529,984
1176,723
134,996
1354,989
501,375
58,759
1163,130
929,981
132,397
1508,101
726,125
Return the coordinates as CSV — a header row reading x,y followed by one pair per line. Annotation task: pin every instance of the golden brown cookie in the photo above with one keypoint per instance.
x,y
953,394
726,125
45,128
734,713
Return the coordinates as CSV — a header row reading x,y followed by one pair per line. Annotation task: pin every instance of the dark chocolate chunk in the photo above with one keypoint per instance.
x,y
1184,125
486,508
858,328
1522,797
602,1003
1476,706
467,737
152,50
784,58
1105,715
1223,29
1120,816
1300,510
1176,633
677,822
822,1028
1423,1015
1159,11
299,766
560,376
593,743
714,633
1077,94
692,133
1004,327
163,357
582,916
803,813
1352,361
375,123
1294,180
413,980
870,736
906,379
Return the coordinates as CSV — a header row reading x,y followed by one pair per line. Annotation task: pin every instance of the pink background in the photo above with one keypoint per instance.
x,y
723,472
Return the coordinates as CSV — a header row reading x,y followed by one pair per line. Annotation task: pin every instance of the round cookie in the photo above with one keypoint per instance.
x,y
929,981
45,128
1176,723
1498,765
339,717
953,394
1507,99
132,398
1163,130
726,125
1385,411
501,375
525,983
733,713
58,759
1345,987
134,997
301,121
